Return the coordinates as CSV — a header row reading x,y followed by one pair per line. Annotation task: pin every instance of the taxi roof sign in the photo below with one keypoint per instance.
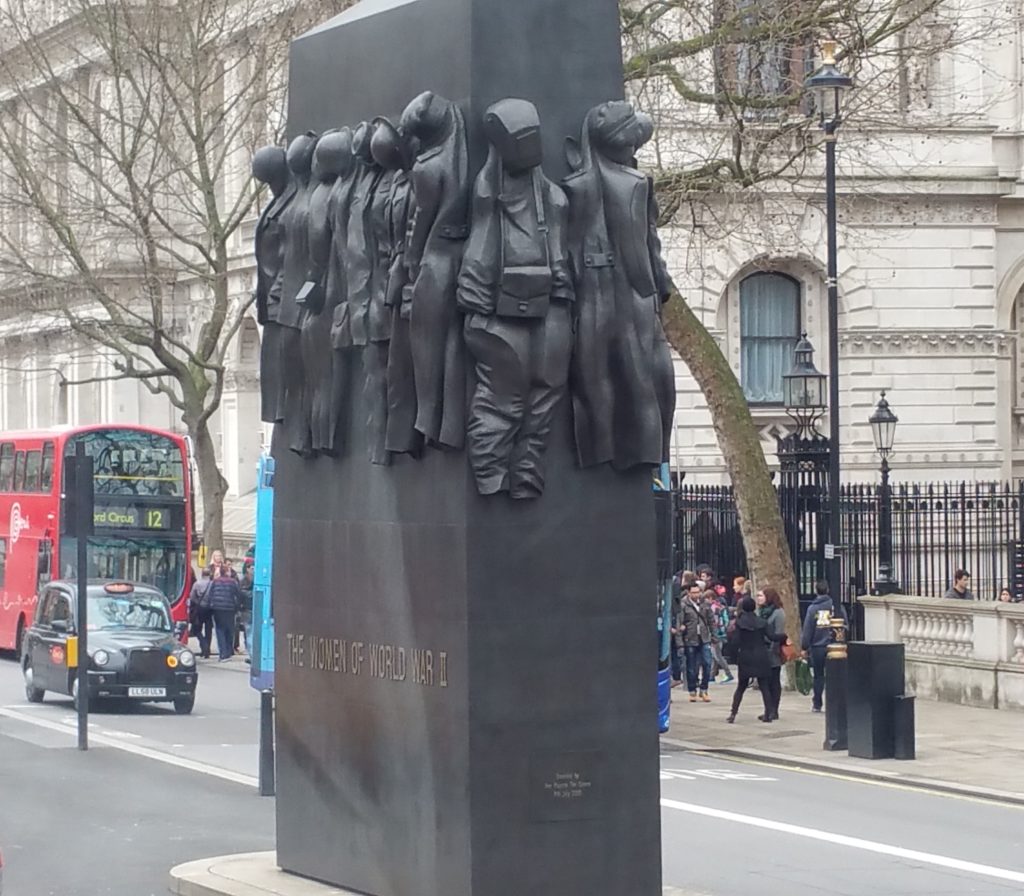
x,y
119,588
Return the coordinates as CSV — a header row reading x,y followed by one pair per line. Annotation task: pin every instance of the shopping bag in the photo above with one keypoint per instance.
x,y
803,677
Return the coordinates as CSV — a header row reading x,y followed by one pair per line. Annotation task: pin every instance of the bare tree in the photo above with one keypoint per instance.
x,y
724,82
126,129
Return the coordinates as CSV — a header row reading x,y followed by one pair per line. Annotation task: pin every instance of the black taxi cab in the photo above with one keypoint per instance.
x,y
133,651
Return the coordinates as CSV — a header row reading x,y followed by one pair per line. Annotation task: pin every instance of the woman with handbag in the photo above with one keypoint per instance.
x,y
749,643
769,605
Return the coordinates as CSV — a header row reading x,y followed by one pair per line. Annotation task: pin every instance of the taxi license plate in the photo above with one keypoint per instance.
x,y
147,692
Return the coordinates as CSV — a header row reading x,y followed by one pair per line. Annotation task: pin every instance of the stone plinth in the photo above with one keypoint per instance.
x,y
466,685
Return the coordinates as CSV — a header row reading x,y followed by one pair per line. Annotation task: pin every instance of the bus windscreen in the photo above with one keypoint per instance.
x,y
161,563
128,462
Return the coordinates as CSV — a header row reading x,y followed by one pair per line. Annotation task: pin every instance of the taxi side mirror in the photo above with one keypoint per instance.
x,y
60,625
179,629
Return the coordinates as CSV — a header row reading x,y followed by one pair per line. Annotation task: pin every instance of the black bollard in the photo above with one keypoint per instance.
x,y
904,741
267,782
835,689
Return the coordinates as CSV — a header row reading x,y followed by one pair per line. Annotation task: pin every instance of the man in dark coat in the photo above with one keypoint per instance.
x,y
698,623
224,600
816,635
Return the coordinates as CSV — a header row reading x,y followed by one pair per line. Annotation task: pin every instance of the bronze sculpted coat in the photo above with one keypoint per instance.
x,y
270,166
440,181
621,379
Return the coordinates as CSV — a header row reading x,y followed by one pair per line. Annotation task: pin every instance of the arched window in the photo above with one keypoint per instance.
x,y
769,329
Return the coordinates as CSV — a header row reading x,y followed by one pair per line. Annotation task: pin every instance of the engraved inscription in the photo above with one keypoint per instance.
x,y
566,786
387,662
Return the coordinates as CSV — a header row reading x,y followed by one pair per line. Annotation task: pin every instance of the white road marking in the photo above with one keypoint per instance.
x,y
137,749
884,849
715,774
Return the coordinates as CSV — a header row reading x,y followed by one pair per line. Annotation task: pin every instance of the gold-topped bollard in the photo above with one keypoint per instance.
x,y
837,646
835,687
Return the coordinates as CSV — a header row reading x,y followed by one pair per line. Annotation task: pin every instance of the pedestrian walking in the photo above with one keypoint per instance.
x,y
224,599
816,635
750,644
769,605
200,617
697,626
720,613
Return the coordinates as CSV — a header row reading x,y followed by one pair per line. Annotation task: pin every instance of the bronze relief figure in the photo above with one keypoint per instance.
x,y
294,278
393,151
516,292
332,160
270,166
433,252
621,379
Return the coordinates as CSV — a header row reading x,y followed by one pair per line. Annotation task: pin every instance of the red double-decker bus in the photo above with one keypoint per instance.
x,y
142,518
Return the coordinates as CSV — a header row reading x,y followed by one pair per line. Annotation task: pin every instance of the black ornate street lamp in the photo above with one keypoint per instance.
x,y
883,429
803,389
829,85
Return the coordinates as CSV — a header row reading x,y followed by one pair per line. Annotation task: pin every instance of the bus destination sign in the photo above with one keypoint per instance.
x,y
114,516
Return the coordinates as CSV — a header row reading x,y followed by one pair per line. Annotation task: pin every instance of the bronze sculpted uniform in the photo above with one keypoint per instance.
x,y
516,292
433,253
296,271
378,317
332,160
391,150
621,380
270,166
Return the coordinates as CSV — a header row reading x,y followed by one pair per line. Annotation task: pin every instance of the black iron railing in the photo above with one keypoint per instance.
x,y
937,528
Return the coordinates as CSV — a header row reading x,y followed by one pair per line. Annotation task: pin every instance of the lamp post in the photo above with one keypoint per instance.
x,y
803,458
803,389
883,430
828,85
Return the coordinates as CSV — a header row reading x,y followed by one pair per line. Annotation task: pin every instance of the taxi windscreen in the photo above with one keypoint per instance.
x,y
114,611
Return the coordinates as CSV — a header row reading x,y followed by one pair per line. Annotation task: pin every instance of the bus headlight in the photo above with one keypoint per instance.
x,y
101,657
187,658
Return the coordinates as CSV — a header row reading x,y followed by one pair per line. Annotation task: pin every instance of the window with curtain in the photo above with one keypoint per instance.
x,y
769,330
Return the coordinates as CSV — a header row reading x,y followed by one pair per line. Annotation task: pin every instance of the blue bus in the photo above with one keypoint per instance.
x,y
261,674
663,508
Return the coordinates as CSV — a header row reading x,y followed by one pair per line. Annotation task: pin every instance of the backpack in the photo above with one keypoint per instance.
x,y
202,594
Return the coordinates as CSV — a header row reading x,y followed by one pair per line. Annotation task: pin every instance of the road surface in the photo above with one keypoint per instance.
x,y
158,789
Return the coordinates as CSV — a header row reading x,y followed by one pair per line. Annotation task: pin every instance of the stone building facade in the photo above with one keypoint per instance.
x,y
931,274
931,278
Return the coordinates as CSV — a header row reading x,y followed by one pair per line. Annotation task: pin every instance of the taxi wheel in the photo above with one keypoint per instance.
x,y
32,693
183,705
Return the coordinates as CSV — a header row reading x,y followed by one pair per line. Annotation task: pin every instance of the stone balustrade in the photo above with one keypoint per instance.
x,y
969,652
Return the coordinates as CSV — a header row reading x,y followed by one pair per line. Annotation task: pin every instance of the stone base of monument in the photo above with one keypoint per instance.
x,y
257,874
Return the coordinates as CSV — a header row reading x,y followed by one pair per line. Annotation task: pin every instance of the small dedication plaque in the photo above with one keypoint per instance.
x,y
566,786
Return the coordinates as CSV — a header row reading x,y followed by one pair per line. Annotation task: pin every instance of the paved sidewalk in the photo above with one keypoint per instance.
x,y
257,874
960,749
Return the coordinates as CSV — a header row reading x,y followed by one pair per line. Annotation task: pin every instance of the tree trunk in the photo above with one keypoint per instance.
x,y
757,502
211,483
